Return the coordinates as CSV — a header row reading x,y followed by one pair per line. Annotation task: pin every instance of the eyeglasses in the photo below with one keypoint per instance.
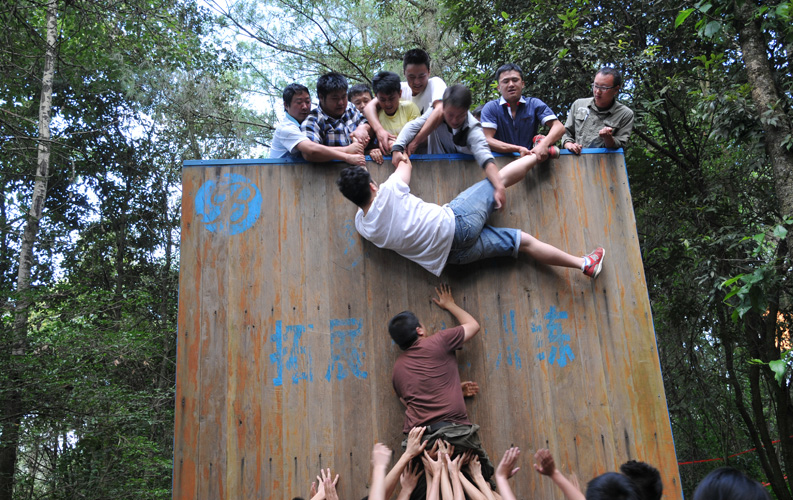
x,y
602,88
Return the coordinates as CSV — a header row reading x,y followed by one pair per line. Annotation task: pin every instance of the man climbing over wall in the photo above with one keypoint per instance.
x,y
456,233
427,380
599,121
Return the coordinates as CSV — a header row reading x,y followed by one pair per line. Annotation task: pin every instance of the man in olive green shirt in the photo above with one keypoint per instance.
x,y
599,121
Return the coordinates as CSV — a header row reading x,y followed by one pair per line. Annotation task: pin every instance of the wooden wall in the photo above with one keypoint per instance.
x,y
284,360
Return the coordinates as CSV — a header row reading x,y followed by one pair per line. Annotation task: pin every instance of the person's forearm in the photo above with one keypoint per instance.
x,y
493,175
392,478
370,112
320,153
446,485
433,487
556,133
457,487
484,486
435,119
608,141
564,484
502,483
377,489
502,147
471,490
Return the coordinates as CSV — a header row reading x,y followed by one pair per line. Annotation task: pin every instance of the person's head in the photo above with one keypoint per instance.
x,y
416,66
355,184
726,483
332,93
388,90
645,477
297,101
606,86
456,101
477,112
359,95
611,486
509,78
404,329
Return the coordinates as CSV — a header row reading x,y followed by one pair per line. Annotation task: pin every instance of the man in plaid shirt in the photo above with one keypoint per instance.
x,y
336,122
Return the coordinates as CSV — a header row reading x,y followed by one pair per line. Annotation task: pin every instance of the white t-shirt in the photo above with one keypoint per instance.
x,y
286,138
420,231
431,93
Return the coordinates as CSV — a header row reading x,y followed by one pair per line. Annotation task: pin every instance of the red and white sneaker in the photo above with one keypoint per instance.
x,y
536,139
595,262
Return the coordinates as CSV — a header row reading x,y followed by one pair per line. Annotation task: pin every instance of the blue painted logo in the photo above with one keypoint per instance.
x,y
231,204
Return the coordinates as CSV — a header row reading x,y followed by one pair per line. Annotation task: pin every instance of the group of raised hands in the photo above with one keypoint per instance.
x,y
445,477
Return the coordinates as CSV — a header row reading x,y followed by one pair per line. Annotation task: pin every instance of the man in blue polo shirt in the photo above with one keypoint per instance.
x,y
512,122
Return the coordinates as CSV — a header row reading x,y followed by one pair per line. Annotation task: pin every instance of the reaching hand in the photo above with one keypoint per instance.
x,y
321,481
453,465
541,151
432,465
475,467
543,462
445,448
523,151
411,147
330,488
415,446
506,468
381,455
470,388
376,155
384,140
410,477
445,299
500,196
397,157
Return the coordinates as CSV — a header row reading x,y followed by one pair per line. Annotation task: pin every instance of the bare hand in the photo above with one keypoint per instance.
x,y
384,140
381,455
415,445
313,489
430,465
573,147
397,157
411,147
541,150
321,481
445,448
356,159
500,195
475,466
523,151
362,133
376,156
470,388
543,462
355,147
330,488
410,477
453,465
606,132
445,299
506,467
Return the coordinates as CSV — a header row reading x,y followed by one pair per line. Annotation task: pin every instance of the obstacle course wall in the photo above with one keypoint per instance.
x,y
284,359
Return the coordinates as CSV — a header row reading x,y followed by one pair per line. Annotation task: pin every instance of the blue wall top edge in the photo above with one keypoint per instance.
x,y
281,161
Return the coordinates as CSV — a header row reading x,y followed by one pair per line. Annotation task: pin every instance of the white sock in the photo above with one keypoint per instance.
x,y
586,263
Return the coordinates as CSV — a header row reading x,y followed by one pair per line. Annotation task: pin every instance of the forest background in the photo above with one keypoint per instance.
x,y
101,102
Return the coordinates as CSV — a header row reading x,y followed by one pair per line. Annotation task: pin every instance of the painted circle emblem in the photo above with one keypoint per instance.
x,y
230,205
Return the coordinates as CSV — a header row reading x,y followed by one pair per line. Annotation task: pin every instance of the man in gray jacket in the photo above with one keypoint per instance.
x,y
459,132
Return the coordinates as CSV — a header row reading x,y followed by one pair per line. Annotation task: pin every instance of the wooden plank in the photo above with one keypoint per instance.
x,y
284,308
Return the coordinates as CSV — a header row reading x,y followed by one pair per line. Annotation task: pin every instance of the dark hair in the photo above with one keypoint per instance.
x,y
614,72
353,182
291,90
478,111
611,486
416,56
726,483
359,88
646,477
509,67
457,96
386,82
331,82
402,329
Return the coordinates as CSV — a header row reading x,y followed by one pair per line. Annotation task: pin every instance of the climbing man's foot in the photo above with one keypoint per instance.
x,y
593,262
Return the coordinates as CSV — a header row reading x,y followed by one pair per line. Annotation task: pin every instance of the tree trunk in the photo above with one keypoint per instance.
x,y
765,96
14,408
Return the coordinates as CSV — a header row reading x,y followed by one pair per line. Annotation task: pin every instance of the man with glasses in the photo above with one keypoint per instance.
x,y
599,121
511,123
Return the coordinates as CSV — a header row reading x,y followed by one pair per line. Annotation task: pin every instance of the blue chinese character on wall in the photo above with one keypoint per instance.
x,y
346,349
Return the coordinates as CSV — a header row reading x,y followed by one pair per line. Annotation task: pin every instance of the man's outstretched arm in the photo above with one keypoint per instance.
x,y
544,464
446,301
314,152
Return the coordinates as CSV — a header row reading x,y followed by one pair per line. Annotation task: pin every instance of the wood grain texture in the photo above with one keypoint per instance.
x,y
284,359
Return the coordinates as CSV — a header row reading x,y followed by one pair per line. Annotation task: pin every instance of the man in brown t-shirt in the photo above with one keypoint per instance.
x,y
427,380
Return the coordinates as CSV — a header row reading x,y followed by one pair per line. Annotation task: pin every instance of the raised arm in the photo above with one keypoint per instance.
x,y
544,464
435,119
433,471
321,493
414,448
505,470
380,457
384,138
407,135
446,301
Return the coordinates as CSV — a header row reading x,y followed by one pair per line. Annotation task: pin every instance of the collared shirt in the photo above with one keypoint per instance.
x,y
286,138
520,130
468,139
333,132
585,120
